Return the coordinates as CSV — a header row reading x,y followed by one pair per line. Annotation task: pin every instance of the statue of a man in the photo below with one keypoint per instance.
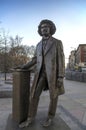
x,y
49,73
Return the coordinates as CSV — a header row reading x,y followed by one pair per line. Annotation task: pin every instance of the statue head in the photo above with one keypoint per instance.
x,y
50,24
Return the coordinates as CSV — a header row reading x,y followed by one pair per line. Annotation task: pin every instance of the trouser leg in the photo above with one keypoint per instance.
x,y
33,107
52,107
35,99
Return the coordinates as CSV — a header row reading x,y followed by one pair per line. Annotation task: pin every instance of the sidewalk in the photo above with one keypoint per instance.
x,y
71,106
5,89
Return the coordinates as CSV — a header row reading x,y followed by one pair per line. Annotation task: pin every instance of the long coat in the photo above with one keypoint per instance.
x,y
54,65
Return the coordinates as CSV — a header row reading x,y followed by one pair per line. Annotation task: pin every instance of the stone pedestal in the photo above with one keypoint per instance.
x,y
21,90
57,124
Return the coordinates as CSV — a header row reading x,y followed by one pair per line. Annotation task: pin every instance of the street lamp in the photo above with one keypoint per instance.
x,y
5,60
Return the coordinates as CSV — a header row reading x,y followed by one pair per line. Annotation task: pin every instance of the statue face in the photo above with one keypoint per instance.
x,y
45,29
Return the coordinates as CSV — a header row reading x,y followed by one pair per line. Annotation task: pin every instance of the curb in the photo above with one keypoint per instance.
x,y
6,94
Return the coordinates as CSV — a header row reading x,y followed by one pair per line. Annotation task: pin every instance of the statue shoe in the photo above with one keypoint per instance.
x,y
26,123
47,122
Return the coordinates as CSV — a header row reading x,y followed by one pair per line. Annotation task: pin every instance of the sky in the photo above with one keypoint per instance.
x,y
22,17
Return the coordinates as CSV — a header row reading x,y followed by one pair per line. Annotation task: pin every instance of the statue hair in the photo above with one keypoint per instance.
x,y
50,23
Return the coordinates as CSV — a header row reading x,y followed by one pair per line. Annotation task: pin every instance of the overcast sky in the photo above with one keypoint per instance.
x,y
22,17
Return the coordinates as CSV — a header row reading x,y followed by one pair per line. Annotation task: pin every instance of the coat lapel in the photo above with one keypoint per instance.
x,y
48,46
40,48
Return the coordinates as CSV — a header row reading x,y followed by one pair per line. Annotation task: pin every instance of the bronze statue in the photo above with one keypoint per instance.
x,y
49,73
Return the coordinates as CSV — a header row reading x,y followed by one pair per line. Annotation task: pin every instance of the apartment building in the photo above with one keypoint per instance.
x,y
80,55
77,57
72,60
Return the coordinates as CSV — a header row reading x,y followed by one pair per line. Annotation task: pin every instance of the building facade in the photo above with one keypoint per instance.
x,y
80,55
77,57
72,60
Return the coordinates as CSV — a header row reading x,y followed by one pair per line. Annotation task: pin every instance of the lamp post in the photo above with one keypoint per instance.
x,y
5,61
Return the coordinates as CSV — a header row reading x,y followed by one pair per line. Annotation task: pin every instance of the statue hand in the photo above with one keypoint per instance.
x,y
20,67
60,82
24,67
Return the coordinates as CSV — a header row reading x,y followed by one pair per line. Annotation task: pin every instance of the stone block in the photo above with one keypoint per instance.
x,y
21,90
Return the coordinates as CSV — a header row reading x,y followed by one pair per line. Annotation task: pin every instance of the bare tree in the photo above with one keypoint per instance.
x,y
17,52
4,50
29,50
13,52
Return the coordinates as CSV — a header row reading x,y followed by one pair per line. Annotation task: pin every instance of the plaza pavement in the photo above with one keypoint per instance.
x,y
71,106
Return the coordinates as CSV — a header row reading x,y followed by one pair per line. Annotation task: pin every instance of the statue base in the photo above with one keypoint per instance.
x,y
57,123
